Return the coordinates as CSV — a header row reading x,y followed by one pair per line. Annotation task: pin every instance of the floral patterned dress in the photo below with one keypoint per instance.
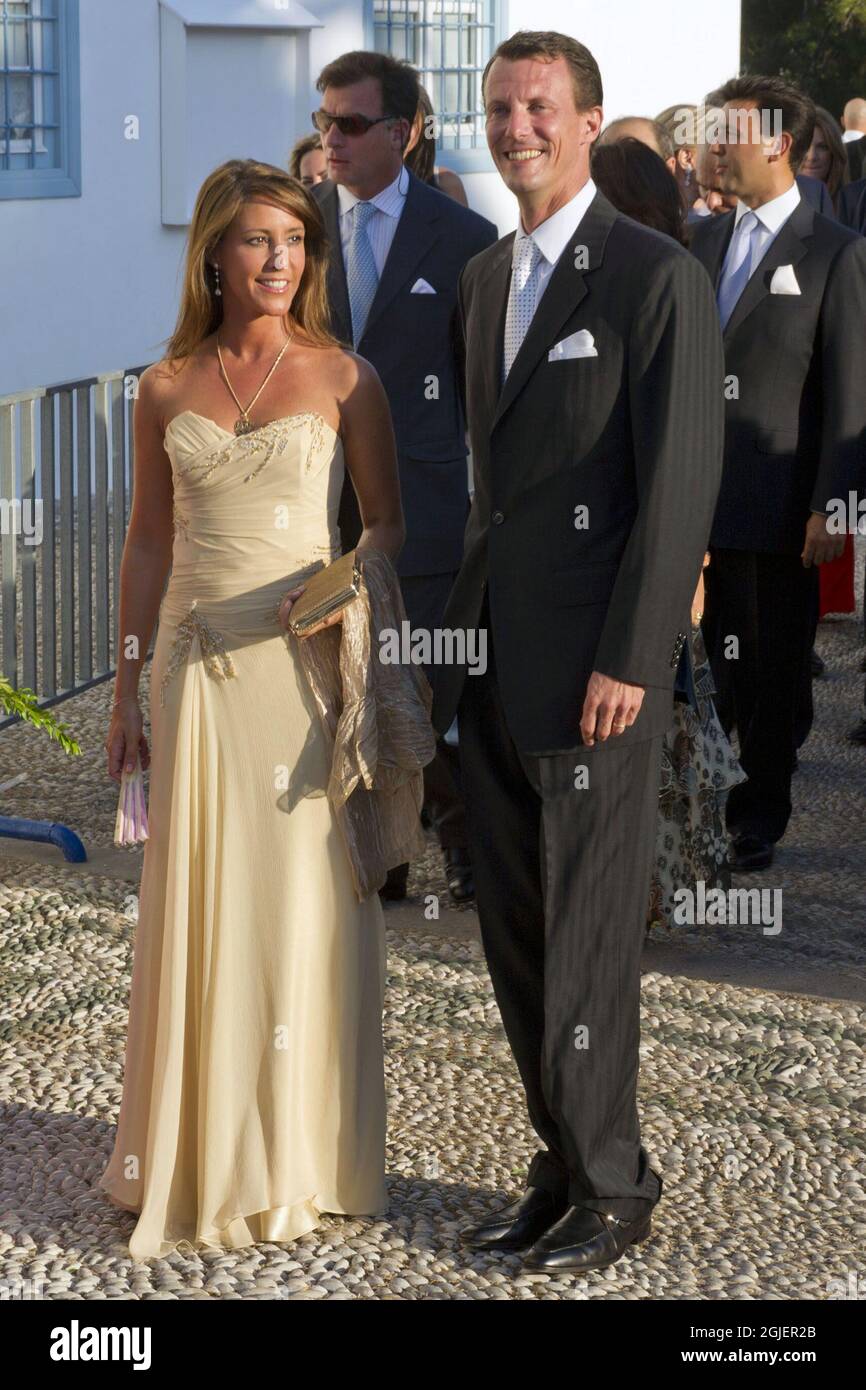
x,y
698,769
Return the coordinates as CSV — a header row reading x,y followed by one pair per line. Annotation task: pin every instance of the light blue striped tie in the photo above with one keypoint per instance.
x,y
361,273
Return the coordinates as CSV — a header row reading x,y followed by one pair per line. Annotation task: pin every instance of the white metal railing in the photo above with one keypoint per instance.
x,y
65,493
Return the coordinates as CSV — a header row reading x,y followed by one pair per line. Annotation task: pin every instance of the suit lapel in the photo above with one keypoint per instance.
x,y
565,289
492,302
721,231
787,249
338,292
416,232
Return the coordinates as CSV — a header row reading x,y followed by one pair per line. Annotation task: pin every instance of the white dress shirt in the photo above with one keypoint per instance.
x,y
848,135
554,234
771,217
382,226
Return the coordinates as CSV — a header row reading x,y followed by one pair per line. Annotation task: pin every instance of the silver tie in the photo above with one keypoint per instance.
x,y
521,298
362,277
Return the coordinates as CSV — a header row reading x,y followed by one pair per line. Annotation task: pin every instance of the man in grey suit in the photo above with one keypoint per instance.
x,y
594,397
397,249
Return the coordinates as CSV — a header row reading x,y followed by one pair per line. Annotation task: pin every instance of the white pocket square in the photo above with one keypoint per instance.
x,y
579,344
784,281
422,287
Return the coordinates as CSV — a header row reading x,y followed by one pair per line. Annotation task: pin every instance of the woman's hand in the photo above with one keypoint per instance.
x,y
288,604
126,738
698,600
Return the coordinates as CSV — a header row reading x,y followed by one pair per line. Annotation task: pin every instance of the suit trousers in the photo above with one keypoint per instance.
x,y
562,882
425,596
768,602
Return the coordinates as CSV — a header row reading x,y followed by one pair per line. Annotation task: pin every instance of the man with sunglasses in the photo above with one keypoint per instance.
x,y
398,248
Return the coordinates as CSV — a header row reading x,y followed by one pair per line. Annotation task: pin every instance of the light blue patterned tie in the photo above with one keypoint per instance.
x,y
361,273
521,299
739,268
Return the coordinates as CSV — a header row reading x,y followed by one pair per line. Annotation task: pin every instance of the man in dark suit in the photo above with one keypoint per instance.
x,y
852,206
815,191
594,397
791,288
392,287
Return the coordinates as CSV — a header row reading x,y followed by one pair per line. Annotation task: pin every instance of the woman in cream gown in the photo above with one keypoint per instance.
x,y
253,1094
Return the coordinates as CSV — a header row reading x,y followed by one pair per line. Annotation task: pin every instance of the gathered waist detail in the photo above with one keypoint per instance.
x,y
227,599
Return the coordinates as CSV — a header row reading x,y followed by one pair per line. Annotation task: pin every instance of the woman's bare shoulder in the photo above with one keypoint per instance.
x,y
352,374
161,382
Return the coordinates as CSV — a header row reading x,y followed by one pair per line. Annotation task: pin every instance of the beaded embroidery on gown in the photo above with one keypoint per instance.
x,y
253,1095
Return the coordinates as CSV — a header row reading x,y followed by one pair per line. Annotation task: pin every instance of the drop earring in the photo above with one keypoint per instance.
x,y
217,273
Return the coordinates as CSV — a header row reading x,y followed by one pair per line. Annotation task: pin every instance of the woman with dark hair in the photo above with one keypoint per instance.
x,y
420,155
638,182
698,764
253,1094
825,158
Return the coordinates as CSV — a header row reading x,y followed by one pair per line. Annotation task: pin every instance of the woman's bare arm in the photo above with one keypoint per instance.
x,y
143,568
371,457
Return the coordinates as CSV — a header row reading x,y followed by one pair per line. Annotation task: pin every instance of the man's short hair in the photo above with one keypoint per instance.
x,y
398,80
549,45
774,94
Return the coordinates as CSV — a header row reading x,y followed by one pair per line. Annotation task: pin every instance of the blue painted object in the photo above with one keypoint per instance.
x,y
46,832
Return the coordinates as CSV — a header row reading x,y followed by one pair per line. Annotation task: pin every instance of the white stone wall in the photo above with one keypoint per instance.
x,y
90,284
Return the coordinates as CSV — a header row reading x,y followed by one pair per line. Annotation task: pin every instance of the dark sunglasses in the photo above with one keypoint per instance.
x,y
355,124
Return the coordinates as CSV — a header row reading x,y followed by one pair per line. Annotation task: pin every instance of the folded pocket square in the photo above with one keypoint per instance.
x,y
580,344
422,287
784,281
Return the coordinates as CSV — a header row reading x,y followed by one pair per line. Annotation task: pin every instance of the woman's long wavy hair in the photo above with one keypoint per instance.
x,y
220,199
837,175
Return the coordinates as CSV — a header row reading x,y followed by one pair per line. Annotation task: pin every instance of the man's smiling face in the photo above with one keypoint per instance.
x,y
539,140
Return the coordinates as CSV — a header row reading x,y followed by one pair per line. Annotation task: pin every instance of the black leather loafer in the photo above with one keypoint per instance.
x,y
516,1226
858,733
584,1240
458,872
750,852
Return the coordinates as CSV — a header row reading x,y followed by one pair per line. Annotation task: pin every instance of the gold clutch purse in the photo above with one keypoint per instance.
x,y
327,591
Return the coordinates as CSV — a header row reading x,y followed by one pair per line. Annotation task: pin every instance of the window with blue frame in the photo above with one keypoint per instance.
x,y
449,42
39,99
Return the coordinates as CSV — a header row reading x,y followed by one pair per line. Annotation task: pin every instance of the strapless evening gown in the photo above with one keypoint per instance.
x,y
253,1096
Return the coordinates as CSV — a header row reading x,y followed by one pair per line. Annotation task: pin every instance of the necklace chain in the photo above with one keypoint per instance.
x,y
243,425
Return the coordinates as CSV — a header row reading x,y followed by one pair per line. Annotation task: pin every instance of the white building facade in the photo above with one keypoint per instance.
x,y
113,111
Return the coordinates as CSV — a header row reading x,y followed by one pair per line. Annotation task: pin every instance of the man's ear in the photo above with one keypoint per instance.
x,y
779,147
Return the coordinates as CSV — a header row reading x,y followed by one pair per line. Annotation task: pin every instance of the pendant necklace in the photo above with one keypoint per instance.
x,y
243,424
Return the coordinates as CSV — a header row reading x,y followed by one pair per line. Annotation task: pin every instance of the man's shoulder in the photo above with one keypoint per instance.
x,y
648,259
628,237
708,228
852,205
832,234
465,221
320,191
478,265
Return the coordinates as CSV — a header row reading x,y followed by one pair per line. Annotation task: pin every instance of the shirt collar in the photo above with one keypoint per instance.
x,y
389,201
553,235
774,213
